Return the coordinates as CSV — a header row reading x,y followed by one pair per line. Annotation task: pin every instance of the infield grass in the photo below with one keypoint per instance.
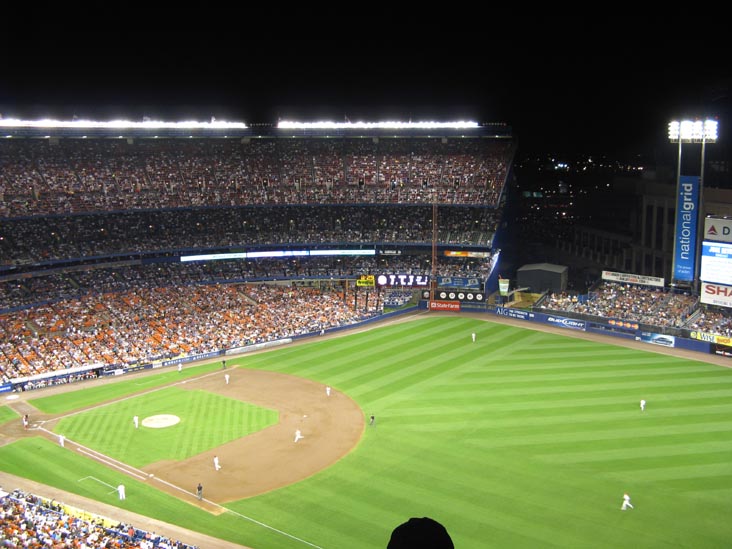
x,y
7,414
522,439
207,420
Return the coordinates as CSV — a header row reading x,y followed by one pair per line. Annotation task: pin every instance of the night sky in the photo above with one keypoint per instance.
x,y
563,84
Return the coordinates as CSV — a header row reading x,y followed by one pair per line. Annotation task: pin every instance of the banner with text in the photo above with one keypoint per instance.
x,y
716,294
633,278
687,206
712,338
445,305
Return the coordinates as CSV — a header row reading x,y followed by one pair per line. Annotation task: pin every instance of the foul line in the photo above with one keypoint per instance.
x,y
226,509
127,469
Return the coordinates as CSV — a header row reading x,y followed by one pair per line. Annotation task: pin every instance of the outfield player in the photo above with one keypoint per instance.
x,y
180,367
62,440
643,405
136,421
217,466
473,336
626,502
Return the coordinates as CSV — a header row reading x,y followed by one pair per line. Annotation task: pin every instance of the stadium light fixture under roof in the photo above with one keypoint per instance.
x,y
120,124
693,131
393,125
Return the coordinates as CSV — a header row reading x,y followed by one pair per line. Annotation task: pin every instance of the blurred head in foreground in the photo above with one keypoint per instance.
x,y
420,533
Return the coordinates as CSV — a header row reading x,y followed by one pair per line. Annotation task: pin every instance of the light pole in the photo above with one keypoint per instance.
x,y
689,225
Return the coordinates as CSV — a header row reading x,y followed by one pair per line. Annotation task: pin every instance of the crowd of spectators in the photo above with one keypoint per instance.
x,y
629,302
33,240
42,177
712,322
23,292
32,522
143,324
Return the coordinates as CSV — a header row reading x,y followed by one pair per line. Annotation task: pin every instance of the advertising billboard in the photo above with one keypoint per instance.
x,y
716,263
687,206
718,229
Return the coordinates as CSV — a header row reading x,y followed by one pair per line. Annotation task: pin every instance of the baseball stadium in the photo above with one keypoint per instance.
x,y
300,336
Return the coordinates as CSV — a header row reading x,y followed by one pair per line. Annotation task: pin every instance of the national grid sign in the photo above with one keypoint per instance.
x,y
687,206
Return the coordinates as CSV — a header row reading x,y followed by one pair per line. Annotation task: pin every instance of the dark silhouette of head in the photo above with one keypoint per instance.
x,y
420,533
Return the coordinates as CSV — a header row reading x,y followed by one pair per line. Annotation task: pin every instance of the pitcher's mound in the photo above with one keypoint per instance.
x,y
160,421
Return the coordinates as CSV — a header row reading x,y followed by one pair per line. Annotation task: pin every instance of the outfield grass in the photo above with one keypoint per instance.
x,y
91,395
522,439
7,414
207,421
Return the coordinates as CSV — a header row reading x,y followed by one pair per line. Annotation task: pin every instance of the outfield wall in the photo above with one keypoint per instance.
x,y
609,328
653,335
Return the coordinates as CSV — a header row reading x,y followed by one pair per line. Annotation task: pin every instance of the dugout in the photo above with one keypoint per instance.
x,y
542,276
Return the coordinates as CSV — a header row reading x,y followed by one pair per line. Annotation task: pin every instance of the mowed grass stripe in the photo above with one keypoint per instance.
x,y
426,365
491,376
656,450
722,428
428,417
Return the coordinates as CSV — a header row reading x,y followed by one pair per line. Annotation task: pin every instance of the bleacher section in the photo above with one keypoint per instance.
x,y
49,177
30,521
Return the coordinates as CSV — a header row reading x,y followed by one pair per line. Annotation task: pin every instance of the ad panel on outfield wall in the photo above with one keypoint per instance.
x,y
718,229
712,338
657,339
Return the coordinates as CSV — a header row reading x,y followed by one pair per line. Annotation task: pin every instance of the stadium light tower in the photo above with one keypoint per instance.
x,y
689,199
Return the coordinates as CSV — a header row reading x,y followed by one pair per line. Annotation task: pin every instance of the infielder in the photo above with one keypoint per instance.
x,y
217,466
298,435
226,377
121,490
327,391
136,421
61,440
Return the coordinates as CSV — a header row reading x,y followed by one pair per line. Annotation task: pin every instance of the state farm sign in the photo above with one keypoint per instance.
x,y
445,305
